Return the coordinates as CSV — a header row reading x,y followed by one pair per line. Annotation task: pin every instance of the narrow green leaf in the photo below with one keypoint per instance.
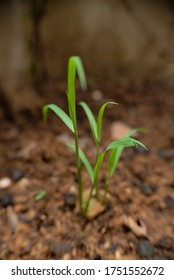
x,y
40,195
125,142
80,72
100,118
60,113
113,160
91,120
84,160
74,64
117,148
116,153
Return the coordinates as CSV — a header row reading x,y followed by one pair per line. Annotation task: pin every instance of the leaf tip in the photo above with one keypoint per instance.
x,y
44,112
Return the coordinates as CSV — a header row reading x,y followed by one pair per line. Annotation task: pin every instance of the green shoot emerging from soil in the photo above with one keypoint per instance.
x,y
114,149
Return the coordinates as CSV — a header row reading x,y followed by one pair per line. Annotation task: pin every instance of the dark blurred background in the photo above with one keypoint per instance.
x,y
117,39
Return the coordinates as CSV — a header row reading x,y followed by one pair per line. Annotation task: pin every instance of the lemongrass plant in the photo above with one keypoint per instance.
x,y
114,149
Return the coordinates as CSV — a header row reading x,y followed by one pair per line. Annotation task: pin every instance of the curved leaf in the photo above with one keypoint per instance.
x,y
60,113
91,120
116,153
74,64
113,160
100,118
125,142
117,148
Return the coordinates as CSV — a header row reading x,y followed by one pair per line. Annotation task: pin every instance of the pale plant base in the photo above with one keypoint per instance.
x,y
95,206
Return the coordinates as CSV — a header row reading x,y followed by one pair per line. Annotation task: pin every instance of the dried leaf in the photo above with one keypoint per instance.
x,y
138,228
12,219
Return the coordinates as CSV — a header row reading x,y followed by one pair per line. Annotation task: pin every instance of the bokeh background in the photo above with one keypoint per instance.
x,y
115,38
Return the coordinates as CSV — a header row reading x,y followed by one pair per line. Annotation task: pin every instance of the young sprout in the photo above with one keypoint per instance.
x,y
114,149
40,195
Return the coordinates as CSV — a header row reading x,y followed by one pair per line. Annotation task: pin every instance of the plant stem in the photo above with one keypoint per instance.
x,y
96,183
79,173
107,182
89,198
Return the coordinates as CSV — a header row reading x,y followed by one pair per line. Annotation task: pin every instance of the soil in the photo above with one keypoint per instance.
x,y
137,222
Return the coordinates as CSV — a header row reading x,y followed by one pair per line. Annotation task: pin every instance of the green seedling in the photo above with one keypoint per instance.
x,y
40,195
114,149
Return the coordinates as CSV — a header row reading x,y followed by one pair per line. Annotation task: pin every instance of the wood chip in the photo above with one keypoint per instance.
x,y
12,219
138,228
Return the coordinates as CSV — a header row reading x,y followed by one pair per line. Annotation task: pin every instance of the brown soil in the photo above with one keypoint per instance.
x,y
140,206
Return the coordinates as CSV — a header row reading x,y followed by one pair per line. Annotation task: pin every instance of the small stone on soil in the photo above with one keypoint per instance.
x,y
16,174
141,150
70,200
119,130
147,189
5,183
97,95
145,249
6,200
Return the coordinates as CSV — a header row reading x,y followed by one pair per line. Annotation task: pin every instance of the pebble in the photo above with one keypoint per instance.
x,y
97,95
5,183
166,154
16,174
120,130
148,189
145,249
6,200
141,150
70,200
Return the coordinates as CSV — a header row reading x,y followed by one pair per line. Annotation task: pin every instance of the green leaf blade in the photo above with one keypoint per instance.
x,y
113,160
125,142
91,120
118,146
74,65
60,113
80,72
40,195
84,160
100,117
